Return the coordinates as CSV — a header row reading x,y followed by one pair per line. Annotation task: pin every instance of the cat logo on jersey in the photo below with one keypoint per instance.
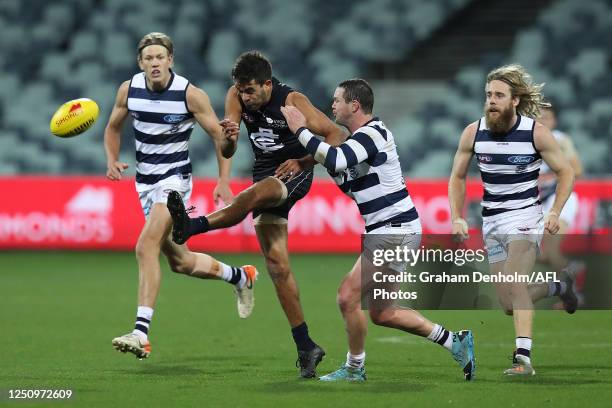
x,y
266,140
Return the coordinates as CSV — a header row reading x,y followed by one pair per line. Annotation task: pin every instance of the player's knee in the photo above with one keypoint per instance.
x,y
179,264
507,308
346,301
146,248
277,269
382,317
250,198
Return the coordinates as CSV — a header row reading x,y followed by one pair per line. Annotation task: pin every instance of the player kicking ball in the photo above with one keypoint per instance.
x,y
367,168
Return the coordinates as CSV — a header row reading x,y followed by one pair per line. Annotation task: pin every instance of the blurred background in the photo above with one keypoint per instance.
x,y
426,59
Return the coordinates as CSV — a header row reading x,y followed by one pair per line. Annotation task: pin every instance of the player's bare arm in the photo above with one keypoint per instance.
x,y
335,159
233,114
551,153
199,104
319,124
568,148
112,134
316,121
456,183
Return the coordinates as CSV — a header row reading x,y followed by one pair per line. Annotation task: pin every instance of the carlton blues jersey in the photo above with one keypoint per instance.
x,y
509,166
162,127
270,137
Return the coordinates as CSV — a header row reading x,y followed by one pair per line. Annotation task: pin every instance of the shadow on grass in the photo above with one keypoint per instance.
x,y
541,379
315,386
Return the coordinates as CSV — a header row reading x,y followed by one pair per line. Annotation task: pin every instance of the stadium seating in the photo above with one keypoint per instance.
x,y
564,50
80,53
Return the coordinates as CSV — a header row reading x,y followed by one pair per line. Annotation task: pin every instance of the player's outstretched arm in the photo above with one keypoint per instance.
x,y
316,120
551,152
233,109
112,134
199,104
456,182
361,146
319,124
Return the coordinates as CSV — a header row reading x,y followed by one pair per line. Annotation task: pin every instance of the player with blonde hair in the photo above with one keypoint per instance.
x,y
510,146
164,107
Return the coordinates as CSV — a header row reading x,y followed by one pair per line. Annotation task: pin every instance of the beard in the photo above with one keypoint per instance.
x,y
502,123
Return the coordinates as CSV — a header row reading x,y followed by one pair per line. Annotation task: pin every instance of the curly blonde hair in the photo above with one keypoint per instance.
x,y
521,85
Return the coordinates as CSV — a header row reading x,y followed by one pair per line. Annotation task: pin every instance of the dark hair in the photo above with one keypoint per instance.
x,y
156,39
358,90
252,65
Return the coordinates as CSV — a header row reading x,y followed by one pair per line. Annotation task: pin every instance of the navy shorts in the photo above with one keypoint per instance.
x,y
297,188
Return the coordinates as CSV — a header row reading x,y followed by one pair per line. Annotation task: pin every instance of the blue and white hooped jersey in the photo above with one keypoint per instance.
x,y
366,167
509,166
162,126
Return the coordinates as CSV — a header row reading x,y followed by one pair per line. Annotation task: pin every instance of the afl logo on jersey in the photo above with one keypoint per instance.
x,y
174,118
484,158
520,159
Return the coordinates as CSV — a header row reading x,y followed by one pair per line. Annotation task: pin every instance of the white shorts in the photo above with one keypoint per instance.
x,y
407,234
568,214
501,229
158,193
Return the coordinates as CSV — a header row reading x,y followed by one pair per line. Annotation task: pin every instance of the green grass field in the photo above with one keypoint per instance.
x,y
59,312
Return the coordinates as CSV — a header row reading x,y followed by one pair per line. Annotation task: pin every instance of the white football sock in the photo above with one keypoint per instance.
x,y
355,361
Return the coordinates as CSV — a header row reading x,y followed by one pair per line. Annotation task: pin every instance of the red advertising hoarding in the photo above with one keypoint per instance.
x,y
94,213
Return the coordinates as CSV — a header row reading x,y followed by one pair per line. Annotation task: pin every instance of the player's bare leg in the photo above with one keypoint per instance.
x,y
148,249
520,260
263,194
567,272
551,244
204,266
272,236
349,299
155,238
149,277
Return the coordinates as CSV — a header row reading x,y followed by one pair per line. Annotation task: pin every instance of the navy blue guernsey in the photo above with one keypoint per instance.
x,y
162,128
270,137
509,166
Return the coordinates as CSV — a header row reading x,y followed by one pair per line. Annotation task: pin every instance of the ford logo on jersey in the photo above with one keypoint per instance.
x,y
521,159
174,118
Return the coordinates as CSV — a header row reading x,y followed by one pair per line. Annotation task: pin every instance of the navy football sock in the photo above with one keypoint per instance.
x,y
301,338
198,225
